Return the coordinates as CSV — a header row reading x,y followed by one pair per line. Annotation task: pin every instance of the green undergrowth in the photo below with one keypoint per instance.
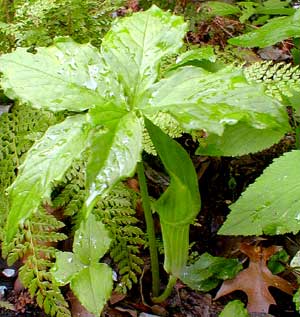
x,y
36,23
117,211
18,131
36,242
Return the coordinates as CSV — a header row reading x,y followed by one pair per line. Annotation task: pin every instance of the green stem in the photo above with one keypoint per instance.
x,y
150,229
167,292
297,131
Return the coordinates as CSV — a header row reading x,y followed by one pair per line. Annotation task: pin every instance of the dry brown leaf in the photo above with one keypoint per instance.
x,y
256,279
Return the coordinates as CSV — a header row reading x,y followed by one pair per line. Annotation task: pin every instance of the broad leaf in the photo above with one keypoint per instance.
x,y
45,163
134,47
201,57
207,272
67,265
63,76
234,308
180,203
222,8
93,287
271,205
212,101
90,281
114,154
276,30
91,241
239,139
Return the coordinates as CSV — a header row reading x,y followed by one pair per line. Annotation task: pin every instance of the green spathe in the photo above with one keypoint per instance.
x,y
180,203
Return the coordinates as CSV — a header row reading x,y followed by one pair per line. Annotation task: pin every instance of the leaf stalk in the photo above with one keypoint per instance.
x,y
150,229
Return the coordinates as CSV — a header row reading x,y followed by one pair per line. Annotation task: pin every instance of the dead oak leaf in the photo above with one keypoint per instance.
x,y
256,279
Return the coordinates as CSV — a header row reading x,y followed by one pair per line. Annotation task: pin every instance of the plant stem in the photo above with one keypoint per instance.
x,y
297,131
168,290
150,229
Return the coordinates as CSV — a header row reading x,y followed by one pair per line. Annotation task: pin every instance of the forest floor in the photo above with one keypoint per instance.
x,y
221,181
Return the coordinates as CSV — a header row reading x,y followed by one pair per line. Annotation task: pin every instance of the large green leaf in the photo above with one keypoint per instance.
x,y
91,241
180,203
93,287
239,139
64,76
114,153
271,33
45,163
91,281
202,100
134,47
221,101
271,205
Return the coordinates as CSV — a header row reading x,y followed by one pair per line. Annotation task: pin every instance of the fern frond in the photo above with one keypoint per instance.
x,y
117,212
6,305
167,123
280,79
18,131
35,246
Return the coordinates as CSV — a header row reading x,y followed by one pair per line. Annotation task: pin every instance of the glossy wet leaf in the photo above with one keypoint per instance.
x,y
67,265
93,287
207,272
114,154
234,308
239,139
63,76
134,47
180,203
197,57
271,205
91,241
211,101
276,30
45,165
90,280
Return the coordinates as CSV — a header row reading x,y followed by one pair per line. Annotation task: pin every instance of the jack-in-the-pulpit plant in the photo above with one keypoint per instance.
x,y
110,95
